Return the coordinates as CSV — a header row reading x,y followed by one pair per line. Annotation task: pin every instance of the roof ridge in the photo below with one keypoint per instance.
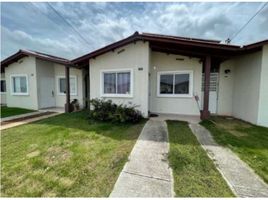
x,y
181,37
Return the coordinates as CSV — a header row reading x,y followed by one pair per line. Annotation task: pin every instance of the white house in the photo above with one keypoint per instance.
x,y
35,80
168,74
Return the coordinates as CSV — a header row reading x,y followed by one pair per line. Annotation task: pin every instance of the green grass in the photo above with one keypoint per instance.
x,y
195,175
64,156
248,141
12,111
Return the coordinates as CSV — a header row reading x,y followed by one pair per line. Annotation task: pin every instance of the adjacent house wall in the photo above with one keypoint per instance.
x,y
3,95
263,92
225,89
246,88
26,65
61,99
134,56
174,105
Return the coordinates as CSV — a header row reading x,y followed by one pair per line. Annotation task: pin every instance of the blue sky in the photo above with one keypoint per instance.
x,y
35,26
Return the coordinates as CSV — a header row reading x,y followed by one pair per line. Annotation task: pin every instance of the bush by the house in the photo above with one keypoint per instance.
x,y
106,110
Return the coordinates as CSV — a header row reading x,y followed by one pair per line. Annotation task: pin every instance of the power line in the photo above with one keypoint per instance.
x,y
235,34
69,24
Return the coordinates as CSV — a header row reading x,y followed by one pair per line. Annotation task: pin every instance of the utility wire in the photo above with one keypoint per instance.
x,y
234,35
43,13
69,24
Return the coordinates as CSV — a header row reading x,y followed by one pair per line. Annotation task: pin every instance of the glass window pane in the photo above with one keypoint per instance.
x,y
72,85
3,86
16,84
166,84
62,85
123,83
109,83
23,85
182,83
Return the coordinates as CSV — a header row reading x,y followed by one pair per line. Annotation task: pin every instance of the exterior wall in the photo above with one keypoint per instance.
x,y
246,87
61,99
26,65
263,100
134,56
3,95
225,89
45,84
174,105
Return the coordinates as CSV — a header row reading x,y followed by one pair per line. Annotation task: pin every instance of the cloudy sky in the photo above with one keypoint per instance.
x,y
36,26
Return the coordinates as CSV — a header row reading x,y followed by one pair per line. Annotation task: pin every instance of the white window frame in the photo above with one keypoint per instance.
x,y
189,95
12,85
58,85
3,79
102,94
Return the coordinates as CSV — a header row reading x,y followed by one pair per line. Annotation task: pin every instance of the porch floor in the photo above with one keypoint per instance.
x,y
53,109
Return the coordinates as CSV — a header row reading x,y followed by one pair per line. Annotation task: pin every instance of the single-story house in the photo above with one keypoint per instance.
x,y
158,74
35,80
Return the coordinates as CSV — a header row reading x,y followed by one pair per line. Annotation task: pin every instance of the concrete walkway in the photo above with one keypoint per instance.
x,y
147,173
26,121
4,119
240,177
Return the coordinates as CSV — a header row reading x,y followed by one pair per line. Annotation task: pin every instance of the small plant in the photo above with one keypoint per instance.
x,y
106,110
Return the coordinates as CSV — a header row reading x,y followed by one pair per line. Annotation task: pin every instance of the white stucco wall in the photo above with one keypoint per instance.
x,y
61,99
174,105
3,95
263,93
246,89
25,66
225,89
133,57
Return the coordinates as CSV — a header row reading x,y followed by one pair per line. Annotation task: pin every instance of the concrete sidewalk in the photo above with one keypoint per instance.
x,y
26,121
240,177
20,116
147,173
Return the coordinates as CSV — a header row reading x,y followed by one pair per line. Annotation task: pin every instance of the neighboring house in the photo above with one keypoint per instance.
x,y
167,74
35,81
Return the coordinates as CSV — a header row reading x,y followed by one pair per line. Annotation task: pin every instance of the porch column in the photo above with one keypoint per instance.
x,y
205,112
67,79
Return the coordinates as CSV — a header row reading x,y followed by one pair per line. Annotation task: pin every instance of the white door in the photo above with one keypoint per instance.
x,y
47,92
213,92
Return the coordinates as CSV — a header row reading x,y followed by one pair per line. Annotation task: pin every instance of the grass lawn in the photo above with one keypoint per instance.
x,y
64,156
248,141
12,111
195,175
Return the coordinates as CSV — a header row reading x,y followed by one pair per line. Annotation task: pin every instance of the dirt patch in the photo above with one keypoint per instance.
x,y
66,182
237,133
49,194
56,155
33,154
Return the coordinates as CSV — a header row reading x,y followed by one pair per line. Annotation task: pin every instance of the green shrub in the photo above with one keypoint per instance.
x,y
106,110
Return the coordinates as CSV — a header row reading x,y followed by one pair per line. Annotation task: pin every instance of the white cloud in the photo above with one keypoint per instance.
x,y
104,23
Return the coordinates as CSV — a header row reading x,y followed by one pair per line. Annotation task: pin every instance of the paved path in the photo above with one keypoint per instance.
x,y
147,173
26,121
240,177
19,116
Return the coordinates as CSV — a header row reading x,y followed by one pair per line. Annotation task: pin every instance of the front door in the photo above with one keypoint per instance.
x,y
213,92
47,92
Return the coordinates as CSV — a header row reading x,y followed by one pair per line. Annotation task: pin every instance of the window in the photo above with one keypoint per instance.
x,y
19,84
62,85
3,86
175,84
116,83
